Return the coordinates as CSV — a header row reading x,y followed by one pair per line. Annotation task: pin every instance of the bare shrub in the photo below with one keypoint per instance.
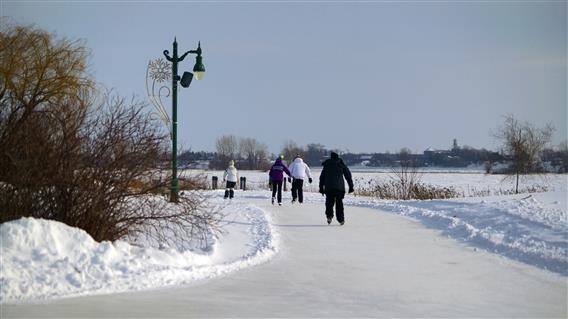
x,y
426,191
498,192
392,190
189,224
193,182
406,175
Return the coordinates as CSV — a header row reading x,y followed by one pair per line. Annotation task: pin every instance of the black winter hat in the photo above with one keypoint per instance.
x,y
334,155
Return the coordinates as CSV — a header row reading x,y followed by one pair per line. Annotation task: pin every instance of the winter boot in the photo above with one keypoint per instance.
x,y
226,194
273,200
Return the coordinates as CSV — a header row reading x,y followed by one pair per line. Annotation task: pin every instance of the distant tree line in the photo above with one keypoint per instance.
x,y
251,154
524,147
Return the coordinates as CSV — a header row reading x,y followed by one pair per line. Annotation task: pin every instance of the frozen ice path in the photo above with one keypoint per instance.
x,y
377,265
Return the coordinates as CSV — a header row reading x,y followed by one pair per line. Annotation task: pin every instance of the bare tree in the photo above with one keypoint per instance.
x,y
254,153
183,225
44,98
44,89
290,150
227,148
523,143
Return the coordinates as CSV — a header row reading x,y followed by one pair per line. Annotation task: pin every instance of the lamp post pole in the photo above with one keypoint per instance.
x,y
198,69
175,183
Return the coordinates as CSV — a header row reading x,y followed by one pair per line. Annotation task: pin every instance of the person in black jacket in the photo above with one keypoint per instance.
x,y
332,184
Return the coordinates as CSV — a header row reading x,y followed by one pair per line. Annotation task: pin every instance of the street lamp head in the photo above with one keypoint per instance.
x,y
199,68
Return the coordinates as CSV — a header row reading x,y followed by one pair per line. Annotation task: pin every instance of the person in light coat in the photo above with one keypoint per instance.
x,y
231,176
300,171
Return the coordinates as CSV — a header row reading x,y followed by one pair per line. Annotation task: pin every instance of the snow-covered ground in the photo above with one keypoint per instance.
x,y
46,260
465,182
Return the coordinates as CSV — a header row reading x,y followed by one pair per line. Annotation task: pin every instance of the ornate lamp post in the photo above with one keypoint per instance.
x,y
198,71
156,72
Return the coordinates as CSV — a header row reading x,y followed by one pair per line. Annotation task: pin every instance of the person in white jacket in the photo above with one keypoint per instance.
x,y
231,176
299,171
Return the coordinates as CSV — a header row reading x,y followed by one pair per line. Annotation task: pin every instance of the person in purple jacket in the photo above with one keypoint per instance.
x,y
276,176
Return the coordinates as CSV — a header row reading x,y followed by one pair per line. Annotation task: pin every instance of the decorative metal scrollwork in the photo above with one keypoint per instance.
x,y
158,77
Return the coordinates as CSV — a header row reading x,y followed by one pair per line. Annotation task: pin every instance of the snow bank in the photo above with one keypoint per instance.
x,y
44,259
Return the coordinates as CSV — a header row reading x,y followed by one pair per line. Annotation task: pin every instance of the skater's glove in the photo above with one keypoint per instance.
x,y
351,190
289,180
310,180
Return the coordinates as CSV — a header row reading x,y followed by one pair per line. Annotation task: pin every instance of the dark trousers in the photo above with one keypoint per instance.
x,y
297,191
229,192
277,186
334,198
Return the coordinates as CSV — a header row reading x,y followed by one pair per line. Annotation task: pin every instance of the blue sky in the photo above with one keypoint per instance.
x,y
367,76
